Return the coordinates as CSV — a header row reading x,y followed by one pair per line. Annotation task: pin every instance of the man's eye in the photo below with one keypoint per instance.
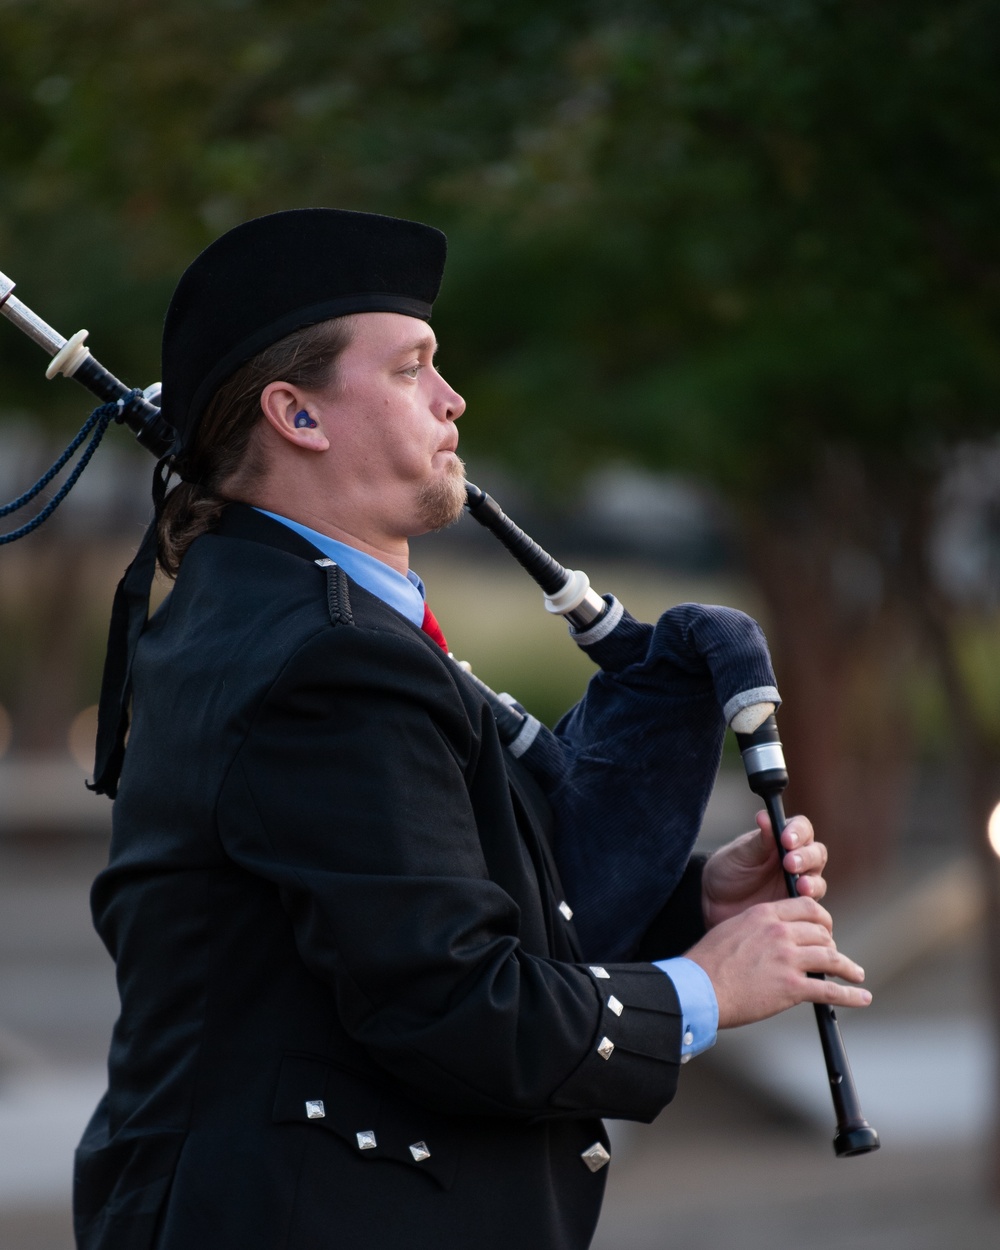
x,y
412,371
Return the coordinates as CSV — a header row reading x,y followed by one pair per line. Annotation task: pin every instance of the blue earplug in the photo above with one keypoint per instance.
x,y
303,421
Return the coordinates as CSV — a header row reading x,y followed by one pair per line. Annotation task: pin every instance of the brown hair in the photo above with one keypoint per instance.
x,y
226,455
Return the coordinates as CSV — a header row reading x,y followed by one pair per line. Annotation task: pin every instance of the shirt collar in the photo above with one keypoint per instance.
x,y
405,594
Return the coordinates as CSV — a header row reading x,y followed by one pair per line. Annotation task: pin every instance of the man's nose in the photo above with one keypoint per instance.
x,y
453,405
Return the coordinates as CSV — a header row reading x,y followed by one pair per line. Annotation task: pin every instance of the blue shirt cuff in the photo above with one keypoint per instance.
x,y
699,1006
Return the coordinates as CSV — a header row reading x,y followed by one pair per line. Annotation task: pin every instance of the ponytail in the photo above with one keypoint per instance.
x,y
226,453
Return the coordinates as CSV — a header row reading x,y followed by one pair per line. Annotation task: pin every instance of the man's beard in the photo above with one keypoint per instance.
x,y
441,501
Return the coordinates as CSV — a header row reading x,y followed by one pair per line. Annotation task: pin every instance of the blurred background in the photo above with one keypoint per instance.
x,y
723,297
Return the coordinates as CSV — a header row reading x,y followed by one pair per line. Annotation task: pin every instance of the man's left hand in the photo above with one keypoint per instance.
x,y
747,871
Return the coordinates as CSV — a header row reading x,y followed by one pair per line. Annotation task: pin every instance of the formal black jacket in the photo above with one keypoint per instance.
x,y
328,884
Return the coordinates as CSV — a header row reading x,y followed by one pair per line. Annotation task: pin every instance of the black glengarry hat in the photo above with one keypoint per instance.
x,y
277,274
253,286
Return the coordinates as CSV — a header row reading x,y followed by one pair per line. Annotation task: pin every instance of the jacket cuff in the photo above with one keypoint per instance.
x,y
631,1069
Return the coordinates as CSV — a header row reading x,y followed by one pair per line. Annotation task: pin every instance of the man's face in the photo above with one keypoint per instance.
x,y
390,418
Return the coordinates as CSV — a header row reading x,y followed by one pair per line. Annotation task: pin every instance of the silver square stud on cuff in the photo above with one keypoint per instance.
x,y
595,1157
315,1109
567,911
366,1139
605,1047
602,974
615,1006
419,1151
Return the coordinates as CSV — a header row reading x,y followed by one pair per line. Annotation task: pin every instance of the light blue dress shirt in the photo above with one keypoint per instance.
x,y
699,1006
695,994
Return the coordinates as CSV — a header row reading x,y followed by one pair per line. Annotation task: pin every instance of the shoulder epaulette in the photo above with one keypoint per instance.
x,y
338,596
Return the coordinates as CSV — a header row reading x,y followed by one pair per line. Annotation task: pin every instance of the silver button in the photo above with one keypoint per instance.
x,y
595,1157
566,910
606,1048
315,1109
615,1006
366,1139
685,1058
419,1151
689,1038
602,974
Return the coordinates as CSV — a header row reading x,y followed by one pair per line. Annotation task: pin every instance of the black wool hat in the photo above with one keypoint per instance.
x,y
277,274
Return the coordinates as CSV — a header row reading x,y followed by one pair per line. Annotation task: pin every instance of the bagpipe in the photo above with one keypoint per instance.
x,y
638,755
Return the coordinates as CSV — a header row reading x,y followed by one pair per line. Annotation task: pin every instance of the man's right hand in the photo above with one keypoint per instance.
x,y
759,961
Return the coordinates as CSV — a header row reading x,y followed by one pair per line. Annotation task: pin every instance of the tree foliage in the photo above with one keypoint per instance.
x,y
716,235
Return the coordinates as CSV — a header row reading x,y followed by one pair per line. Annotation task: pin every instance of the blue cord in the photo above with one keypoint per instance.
x,y
96,425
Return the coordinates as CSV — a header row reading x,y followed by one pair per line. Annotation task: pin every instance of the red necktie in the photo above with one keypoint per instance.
x,y
432,629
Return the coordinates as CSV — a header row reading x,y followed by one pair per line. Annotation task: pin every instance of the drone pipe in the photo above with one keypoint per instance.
x,y
72,359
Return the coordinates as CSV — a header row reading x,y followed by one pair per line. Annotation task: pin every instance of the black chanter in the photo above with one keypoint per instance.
x,y
764,761
595,622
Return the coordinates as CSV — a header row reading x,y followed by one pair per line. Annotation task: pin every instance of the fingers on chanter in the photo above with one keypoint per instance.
x,y
797,834
822,956
808,865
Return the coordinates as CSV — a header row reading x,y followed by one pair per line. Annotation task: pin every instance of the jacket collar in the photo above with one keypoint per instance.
x,y
240,520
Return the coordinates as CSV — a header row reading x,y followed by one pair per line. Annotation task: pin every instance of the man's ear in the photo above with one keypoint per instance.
x,y
287,411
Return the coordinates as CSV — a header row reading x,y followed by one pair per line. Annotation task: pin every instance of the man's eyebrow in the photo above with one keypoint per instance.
x,y
421,344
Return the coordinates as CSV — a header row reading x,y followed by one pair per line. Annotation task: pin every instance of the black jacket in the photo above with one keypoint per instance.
x,y
329,884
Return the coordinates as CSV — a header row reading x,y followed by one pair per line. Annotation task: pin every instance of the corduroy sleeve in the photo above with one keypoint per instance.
x,y
681,922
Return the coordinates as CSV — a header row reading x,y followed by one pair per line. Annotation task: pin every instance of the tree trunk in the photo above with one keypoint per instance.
x,y
843,725
45,624
979,769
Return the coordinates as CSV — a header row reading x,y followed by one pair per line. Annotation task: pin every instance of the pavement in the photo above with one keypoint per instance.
x,y
57,1003
743,1156
767,1187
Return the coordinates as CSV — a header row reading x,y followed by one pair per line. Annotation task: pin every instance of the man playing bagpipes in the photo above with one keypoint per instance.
x,y
375,988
